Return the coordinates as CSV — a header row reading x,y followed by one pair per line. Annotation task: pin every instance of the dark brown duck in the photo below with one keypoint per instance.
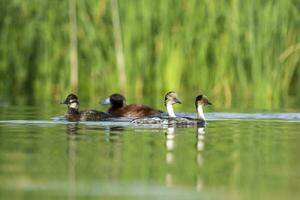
x,y
119,108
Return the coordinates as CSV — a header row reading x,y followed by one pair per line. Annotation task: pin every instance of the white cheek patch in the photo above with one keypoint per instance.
x,y
73,105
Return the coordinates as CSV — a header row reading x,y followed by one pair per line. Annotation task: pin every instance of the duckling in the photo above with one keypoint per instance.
x,y
170,99
200,102
119,108
72,114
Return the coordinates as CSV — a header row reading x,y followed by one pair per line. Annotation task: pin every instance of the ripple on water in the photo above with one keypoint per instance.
x,y
125,121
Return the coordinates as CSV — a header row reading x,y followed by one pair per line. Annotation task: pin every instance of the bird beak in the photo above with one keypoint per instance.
x,y
177,101
64,102
105,101
209,103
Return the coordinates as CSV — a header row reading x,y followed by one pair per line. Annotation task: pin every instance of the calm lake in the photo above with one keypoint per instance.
x,y
236,156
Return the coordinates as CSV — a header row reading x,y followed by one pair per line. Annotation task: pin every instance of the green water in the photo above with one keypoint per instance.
x,y
232,159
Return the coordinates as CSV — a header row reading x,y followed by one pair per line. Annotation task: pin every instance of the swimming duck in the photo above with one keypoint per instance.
x,y
170,99
200,102
119,108
73,114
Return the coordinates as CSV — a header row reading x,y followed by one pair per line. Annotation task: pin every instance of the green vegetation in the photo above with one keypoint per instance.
x,y
233,51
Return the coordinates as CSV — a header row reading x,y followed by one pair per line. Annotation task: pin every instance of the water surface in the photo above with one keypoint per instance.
x,y
236,156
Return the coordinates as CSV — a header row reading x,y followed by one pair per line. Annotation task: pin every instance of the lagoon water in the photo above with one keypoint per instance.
x,y
236,156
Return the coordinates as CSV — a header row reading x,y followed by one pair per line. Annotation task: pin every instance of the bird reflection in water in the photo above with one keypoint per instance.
x,y
200,144
72,129
113,134
170,146
109,134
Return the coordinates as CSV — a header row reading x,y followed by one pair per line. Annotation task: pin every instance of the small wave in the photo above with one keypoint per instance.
x,y
125,121
282,116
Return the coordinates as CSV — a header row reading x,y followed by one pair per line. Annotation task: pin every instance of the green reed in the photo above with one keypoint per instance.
x,y
233,51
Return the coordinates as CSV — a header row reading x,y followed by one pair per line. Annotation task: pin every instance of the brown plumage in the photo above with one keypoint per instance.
x,y
72,115
120,109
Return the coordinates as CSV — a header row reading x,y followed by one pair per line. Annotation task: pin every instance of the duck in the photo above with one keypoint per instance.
x,y
170,99
73,114
118,107
200,102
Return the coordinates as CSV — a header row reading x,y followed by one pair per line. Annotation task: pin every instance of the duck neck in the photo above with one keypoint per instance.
x,y
170,110
200,112
72,111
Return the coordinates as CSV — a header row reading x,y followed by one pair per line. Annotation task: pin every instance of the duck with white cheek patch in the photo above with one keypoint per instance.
x,y
73,114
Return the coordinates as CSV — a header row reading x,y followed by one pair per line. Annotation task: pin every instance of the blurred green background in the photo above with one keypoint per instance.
x,y
240,53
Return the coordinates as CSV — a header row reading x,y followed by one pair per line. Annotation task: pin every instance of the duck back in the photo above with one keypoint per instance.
x,y
133,110
93,115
